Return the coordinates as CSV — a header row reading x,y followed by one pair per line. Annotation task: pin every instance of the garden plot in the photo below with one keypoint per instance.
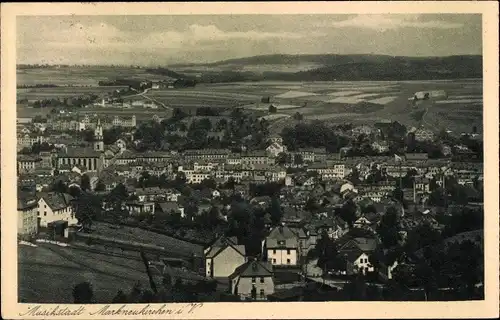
x,y
383,100
295,94
265,106
344,93
366,95
467,101
349,100
475,96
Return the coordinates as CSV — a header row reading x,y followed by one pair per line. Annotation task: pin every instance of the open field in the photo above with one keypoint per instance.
x,y
355,101
32,94
250,68
48,273
177,247
80,76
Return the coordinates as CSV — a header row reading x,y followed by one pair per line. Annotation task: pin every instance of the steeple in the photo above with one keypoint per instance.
x,y
98,137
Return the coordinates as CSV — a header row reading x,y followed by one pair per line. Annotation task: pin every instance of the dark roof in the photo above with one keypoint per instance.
x,y
253,269
57,201
416,156
26,201
80,153
169,206
221,244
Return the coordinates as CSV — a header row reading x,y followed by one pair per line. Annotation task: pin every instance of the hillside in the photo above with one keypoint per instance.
x,y
273,59
340,67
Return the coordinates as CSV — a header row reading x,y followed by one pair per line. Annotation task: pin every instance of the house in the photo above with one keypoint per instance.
x,y
211,154
53,207
275,138
252,280
170,207
356,252
289,180
421,186
334,227
215,193
137,208
357,262
422,134
172,195
357,131
28,164
110,180
275,148
282,245
254,157
303,240
367,221
27,222
223,257
311,269
380,146
150,194
328,170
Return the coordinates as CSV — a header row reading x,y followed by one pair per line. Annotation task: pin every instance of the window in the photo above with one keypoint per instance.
x,y
45,214
288,251
262,294
261,279
253,279
287,261
274,260
274,251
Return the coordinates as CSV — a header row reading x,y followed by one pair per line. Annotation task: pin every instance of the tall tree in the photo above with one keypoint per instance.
x,y
388,229
328,255
348,212
85,182
275,210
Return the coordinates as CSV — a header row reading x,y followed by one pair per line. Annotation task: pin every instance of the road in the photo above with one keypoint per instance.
x,y
423,117
143,94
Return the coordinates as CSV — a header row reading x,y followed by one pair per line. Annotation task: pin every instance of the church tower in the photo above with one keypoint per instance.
x,y
98,137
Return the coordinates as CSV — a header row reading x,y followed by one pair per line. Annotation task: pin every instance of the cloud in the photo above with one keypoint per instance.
x,y
387,22
107,36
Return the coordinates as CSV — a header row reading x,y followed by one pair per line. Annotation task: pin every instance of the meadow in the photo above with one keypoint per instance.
x,y
32,94
47,273
79,76
342,101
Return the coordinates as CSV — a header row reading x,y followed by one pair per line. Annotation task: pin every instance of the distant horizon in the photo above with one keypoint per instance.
x,y
242,58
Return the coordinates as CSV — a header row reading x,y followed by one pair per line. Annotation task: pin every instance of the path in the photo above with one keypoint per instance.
x,y
143,94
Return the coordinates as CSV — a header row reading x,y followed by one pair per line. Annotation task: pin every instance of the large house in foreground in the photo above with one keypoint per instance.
x,y
282,246
223,257
27,215
53,207
252,280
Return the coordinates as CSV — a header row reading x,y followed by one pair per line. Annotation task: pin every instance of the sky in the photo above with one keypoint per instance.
x,y
162,40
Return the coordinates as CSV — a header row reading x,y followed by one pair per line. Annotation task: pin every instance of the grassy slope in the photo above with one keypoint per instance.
x,y
357,67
